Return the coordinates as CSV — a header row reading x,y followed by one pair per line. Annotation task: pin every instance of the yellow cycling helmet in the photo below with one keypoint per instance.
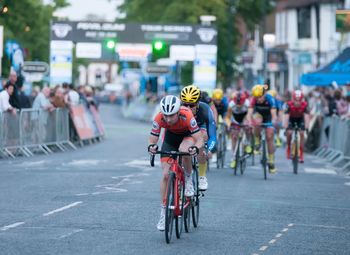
x,y
218,94
272,92
190,94
258,90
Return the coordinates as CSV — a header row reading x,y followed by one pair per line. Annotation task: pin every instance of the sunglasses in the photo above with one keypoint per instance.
x,y
190,105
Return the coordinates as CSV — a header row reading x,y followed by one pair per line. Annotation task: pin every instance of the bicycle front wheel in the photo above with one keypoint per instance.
x,y
195,202
180,185
169,209
237,158
295,158
264,159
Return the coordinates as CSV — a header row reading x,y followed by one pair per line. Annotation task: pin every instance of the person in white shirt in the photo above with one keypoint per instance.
x,y
72,97
5,98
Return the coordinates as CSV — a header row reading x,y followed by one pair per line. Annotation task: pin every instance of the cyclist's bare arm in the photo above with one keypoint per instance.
x,y
306,120
250,115
199,140
227,117
286,120
274,114
153,140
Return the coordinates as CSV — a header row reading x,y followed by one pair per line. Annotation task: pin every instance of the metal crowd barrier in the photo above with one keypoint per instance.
x,y
31,131
334,143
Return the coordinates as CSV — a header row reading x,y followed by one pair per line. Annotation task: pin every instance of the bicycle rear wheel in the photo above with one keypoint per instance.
x,y
169,209
224,147
295,158
237,158
195,202
243,164
264,159
219,151
253,149
181,200
187,218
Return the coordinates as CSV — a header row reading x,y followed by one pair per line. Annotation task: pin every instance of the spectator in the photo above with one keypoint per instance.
x,y
14,98
34,94
72,97
42,100
5,99
24,100
57,98
90,96
82,96
341,104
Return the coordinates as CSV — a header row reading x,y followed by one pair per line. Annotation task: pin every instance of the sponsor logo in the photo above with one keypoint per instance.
x,y
206,34
61,30
155,125
193,122
183,117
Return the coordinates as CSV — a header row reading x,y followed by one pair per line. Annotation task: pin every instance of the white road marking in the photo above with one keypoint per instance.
x,y
319,171
272,241
71,233
263,248
62,208
14,225
34,163
82,194
85,162
321,226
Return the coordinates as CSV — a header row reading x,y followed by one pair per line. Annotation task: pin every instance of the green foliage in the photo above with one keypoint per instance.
x,y
28,22
189,11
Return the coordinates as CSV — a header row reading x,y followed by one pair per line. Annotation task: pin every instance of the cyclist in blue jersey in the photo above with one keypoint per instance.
x,y
190,96
220,102
279,109
205,98
263,110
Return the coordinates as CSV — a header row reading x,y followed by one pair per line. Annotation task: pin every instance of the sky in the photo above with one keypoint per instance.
x,y
80,8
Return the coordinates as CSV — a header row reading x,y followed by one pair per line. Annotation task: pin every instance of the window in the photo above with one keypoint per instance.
x,y
304,22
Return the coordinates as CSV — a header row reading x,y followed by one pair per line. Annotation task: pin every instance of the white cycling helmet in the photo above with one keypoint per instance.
x,y
170,105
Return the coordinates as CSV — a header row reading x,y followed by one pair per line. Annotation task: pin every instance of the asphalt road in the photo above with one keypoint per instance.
x,y
104,199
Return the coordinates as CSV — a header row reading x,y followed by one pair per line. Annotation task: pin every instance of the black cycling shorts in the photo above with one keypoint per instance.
x,y
172,142
298,121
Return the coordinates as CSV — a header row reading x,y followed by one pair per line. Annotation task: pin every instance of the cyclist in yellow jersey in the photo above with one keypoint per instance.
x,y
264,105
279,106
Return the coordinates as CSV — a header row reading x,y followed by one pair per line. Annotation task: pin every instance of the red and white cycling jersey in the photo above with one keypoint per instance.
x,y
186,123
296,111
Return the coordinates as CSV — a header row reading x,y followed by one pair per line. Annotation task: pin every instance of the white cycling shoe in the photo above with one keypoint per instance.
x,y
203,183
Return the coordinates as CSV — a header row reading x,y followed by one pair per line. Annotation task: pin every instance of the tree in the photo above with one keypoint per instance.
x,y
28,22
189,11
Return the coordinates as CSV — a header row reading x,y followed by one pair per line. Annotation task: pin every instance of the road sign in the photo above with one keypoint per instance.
x,y
35,67
157,70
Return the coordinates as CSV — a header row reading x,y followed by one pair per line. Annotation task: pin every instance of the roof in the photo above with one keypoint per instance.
x,y
291,4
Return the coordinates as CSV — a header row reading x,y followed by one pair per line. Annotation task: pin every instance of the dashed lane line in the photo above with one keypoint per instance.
x,y
62,208
272,241
14,225
263,248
